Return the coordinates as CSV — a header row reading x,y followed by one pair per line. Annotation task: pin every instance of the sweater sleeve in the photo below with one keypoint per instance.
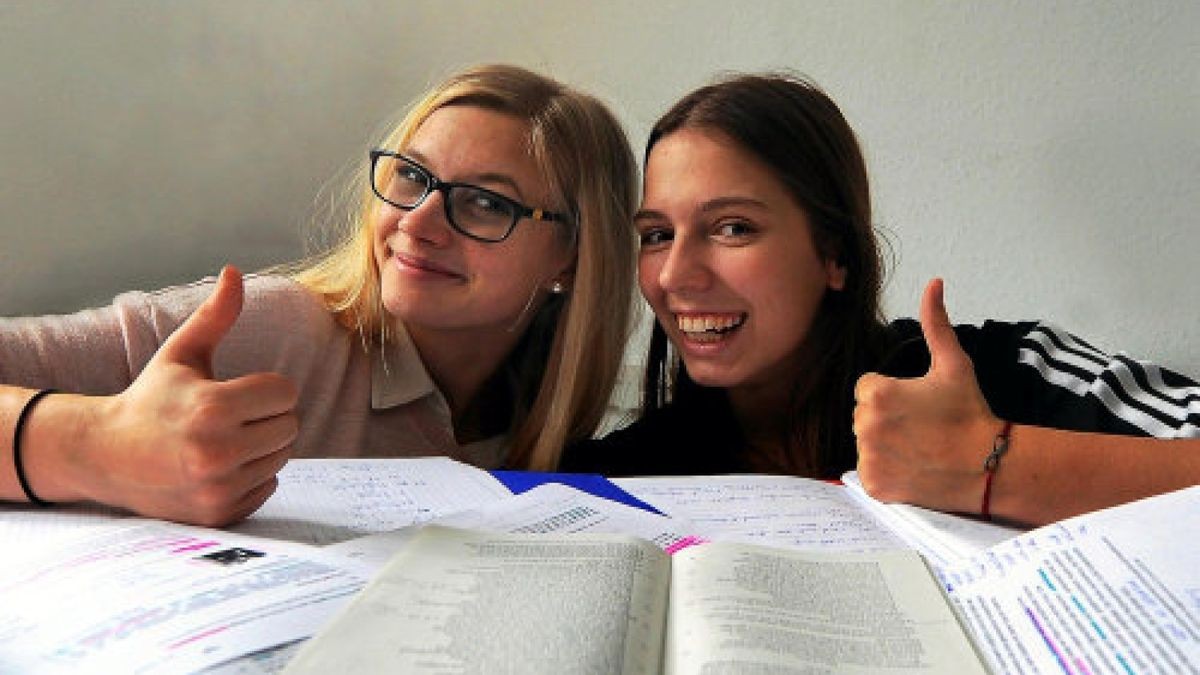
x,y
1071,384
1035,373
282,328
94,351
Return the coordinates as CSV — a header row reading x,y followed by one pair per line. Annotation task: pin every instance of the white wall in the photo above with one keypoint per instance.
x,y
1044,157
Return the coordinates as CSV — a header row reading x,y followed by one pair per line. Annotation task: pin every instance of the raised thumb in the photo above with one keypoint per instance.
x,y
944,348
193,343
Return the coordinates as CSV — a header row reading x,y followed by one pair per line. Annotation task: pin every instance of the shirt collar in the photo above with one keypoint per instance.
x,y
398,375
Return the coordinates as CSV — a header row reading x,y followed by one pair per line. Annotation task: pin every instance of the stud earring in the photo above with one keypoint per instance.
x,y
558,287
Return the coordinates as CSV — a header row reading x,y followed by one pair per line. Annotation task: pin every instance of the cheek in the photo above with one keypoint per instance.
x,y
540,257
383,224
384,218
648,269
794,304
510,273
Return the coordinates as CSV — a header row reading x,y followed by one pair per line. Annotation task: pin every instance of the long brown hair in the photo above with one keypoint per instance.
x,y
564,369
800,134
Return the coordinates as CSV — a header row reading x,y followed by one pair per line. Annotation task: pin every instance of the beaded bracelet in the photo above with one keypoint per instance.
x,y
16,448
990,464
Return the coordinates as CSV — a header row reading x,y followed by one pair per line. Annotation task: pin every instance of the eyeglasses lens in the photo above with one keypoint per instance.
x,y
474,211
400,182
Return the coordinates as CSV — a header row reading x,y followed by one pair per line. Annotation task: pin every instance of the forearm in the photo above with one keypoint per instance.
x,y
177,443
1050,474
54,430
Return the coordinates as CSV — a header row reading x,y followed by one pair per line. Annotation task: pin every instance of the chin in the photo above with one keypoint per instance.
x,y
392,301
712,377
406,307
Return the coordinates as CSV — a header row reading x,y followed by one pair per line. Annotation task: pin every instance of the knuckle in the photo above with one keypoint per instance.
x,y
878,489
211,505
203,462
206,412
885,391
866,476
268,489
291,427
869,429
212,519
873,390
862,388
257,497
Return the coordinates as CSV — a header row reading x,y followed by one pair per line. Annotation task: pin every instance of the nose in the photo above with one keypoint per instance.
x,y
427,221
684,267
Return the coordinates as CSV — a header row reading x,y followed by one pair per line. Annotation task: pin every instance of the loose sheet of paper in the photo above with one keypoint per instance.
x,y
33,528
1114,591
780,511
547,509
944,539
323,501
148,596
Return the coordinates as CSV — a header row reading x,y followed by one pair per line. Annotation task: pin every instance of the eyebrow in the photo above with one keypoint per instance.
x,y
707,207
489,177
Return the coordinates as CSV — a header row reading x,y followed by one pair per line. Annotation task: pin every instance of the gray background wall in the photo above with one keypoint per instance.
x,y
1042,156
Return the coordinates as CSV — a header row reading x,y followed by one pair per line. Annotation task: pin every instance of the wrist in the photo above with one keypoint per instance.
x,y
966,481
56,439
991,465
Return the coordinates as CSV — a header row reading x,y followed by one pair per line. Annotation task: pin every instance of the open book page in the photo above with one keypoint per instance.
x,y
552,508
462,601
1113,591
781,511
323,501
143,596
738,608
945,539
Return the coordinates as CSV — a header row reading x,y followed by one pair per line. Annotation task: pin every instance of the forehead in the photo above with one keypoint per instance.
x,y
464,142
692,165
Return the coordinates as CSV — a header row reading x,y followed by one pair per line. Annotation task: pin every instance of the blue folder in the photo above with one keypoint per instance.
x,y
593,484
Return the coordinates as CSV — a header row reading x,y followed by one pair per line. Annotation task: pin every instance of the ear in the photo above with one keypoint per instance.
x,y
560,284
564,280
835,274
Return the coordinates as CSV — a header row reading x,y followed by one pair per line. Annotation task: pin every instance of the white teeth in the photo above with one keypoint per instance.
x,y
710,323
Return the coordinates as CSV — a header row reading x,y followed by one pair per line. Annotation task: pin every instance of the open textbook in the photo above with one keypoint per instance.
x,y
1113,591
458,600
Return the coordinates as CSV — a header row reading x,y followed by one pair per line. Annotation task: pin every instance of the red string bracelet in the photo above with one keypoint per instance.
x,y
990,464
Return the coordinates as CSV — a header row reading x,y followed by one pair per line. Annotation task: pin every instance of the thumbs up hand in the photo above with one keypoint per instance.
x,y
923,440
179,445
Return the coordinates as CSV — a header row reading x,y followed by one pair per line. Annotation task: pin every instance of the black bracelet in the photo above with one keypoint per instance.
x,y
17,465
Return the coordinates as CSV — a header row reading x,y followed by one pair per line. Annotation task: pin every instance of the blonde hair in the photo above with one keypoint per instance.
x,y
563,377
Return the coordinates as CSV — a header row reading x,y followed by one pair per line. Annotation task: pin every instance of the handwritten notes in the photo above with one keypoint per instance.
x,y
773,510
324,501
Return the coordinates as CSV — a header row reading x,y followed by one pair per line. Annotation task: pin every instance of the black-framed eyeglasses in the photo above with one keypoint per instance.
x,y
472,211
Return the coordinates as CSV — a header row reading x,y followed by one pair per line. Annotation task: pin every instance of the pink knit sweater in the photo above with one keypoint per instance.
x,y
354,401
